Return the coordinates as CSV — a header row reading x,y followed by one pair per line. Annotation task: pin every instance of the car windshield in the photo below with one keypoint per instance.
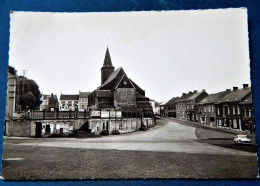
x,y
241,136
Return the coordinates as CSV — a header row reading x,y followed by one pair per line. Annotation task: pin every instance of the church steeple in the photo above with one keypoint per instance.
x,y
107,60
107,67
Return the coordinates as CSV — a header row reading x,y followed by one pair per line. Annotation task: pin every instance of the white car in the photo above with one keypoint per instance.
x,y
242,139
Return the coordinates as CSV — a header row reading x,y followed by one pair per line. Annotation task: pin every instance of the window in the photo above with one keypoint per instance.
x,y
228,111
209,109
249,113
213,109
218,111
238,110
212,119
245,114
82,106
234,110
82,100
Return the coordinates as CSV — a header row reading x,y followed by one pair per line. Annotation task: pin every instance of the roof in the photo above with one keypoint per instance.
x,y
46,96
184,97
164,102
69,97
247,100
212,98
195,95
107,60
235,95
104,93
112,76
83,94
144,105
106,105
138,95
172,101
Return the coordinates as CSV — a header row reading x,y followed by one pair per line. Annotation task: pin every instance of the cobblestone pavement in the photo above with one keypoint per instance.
x,y
169,150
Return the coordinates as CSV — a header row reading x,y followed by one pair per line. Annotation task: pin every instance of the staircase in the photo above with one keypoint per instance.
x,y
84,132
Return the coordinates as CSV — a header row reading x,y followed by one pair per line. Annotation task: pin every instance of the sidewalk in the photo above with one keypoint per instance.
x,y
213,127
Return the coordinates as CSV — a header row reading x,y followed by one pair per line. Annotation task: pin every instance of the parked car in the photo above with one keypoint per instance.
x,y
242,139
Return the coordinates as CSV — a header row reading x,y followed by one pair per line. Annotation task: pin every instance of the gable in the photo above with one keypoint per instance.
x,y
124,82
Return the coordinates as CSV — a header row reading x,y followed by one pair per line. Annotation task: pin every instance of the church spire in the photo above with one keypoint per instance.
x,y
107,68
107,60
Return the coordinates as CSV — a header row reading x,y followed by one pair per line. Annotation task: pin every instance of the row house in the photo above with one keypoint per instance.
x,y
68,102
185,105
229,111
83,101
247,113
49,102
205,109
170,107
190,104
181,105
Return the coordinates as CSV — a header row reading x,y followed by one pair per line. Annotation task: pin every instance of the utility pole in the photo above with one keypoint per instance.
x,y
24,72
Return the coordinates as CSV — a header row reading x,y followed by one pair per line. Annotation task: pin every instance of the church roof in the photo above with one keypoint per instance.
x,y
107,60
112,76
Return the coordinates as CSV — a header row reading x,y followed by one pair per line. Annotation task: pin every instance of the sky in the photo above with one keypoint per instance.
x,y
166,53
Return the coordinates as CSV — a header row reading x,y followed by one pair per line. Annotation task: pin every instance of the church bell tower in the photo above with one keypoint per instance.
x,y
107,67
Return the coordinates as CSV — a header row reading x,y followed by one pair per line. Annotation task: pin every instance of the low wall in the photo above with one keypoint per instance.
x,y
18,128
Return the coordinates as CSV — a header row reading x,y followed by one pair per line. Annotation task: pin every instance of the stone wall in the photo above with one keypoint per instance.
x,y
125,97
18,128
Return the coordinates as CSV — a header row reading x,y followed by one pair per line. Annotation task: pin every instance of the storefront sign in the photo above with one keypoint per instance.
x,y
112,114
118,114
95,113
104,114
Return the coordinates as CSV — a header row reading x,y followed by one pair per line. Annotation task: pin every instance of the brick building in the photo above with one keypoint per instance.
x,y
191,102
185,105
119,105
246,106
205,109
228,109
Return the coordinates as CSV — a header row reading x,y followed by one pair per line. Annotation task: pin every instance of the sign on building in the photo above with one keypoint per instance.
x,y
95,113
104,114
118,114
112,114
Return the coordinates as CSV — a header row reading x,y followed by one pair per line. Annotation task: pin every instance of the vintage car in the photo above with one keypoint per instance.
x,y
242,139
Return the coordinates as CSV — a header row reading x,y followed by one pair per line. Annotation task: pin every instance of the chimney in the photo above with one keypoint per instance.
x,y
235,88
195,91
245,85
203,90
190,92
228,90
183,94
51,94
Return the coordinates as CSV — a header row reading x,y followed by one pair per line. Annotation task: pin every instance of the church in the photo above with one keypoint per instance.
x,y
118,105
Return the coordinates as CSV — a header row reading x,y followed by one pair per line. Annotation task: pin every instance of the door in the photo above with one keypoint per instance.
x,y
38,130
48,129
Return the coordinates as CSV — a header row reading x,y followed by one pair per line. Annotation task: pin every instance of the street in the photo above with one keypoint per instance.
x,y
171,149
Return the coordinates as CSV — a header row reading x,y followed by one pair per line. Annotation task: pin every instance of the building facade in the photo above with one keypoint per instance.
x,y
205,109
49,102
68,102
119,105
228,109
83,101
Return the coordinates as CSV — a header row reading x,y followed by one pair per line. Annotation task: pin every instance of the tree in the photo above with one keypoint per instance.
x,y
29,93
